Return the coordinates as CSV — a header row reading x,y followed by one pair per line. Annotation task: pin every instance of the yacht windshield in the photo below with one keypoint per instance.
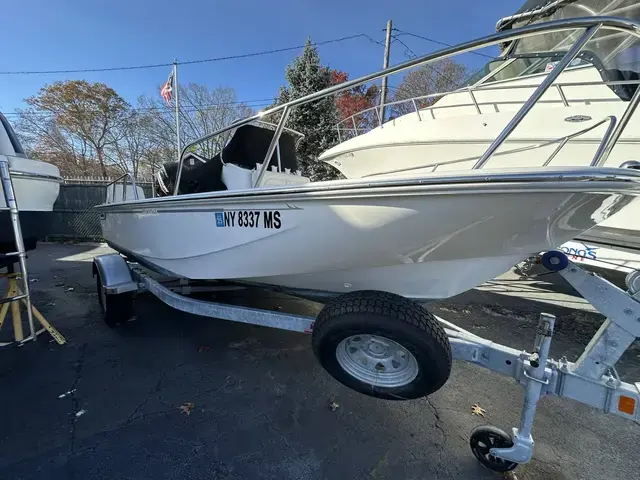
x,y
606,44
512,67
615,54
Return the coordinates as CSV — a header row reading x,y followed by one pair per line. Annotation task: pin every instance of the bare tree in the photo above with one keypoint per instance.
x,y
44,139
443,76
131,149
202,111
88,129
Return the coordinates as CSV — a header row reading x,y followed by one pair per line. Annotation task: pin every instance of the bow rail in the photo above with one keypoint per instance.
x,y
349,124
562,141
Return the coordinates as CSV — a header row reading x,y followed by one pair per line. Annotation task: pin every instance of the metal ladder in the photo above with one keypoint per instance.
x,y
10,200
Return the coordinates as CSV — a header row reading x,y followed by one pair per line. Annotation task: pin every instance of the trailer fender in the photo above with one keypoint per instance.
x,y
114,274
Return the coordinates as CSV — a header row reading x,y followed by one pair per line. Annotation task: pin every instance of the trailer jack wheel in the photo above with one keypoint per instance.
x,y
486,437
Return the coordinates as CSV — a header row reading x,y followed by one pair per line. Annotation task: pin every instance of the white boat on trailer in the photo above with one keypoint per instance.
x,y
429,237
370,247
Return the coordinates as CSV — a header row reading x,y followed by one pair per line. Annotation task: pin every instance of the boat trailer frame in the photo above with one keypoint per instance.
x,y
592,379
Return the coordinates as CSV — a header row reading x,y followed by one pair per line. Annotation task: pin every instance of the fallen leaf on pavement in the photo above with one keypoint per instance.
x,y
477,410
187,407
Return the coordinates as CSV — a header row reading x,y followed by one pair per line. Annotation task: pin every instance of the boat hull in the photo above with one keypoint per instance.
x,y
34,225
429,242
36,186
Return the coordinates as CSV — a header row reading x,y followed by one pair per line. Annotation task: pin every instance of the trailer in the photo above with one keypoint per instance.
x,y
387,346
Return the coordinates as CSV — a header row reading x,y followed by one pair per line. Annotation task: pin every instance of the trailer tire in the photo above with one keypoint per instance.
x,y
115,308
382,345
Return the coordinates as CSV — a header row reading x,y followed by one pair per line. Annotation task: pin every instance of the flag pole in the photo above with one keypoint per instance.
x,y
175,84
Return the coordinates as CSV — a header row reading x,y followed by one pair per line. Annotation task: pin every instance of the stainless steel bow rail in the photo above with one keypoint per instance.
x,y
15,294
349,124
590,25
562,141
592,379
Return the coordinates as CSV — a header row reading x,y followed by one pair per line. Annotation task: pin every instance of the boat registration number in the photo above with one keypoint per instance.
x,y
249,219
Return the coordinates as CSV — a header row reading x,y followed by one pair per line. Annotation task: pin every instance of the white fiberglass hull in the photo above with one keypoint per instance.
x,y
431,239
36,186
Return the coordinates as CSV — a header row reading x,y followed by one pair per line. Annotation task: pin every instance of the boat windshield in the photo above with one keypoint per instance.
x,y
608,50
512,67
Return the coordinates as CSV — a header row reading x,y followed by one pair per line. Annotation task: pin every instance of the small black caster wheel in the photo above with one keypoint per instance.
x,y
485,437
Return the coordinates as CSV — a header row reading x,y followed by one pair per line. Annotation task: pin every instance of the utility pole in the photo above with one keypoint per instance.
x,y
385,64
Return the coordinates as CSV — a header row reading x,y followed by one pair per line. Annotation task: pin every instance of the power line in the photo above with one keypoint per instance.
x,y
166,108
444,44
189,62
427,65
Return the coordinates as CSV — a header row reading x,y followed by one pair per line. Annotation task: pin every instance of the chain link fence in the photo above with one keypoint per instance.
x,y
74,216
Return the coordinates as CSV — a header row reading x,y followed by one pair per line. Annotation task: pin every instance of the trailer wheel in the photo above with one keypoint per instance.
x,y
382,345
115,308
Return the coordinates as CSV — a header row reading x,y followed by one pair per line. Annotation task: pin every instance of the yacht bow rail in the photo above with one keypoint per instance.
x,y
562,141
349,124
590,25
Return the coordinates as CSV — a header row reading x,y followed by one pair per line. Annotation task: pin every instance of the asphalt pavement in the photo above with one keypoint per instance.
x,y
176,396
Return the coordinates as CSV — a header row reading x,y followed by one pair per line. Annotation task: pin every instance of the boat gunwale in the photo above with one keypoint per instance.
x,y
603,179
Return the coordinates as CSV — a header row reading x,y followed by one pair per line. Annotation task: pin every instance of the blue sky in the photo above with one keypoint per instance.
x,y
77,34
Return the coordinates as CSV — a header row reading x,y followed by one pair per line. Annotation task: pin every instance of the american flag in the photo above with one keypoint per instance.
x,y
167,89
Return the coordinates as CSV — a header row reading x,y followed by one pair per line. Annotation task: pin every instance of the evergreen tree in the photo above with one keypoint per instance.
x,y
316,120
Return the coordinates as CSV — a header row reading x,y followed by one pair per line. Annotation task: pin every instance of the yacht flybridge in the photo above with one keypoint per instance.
x,y
451,131
371,245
